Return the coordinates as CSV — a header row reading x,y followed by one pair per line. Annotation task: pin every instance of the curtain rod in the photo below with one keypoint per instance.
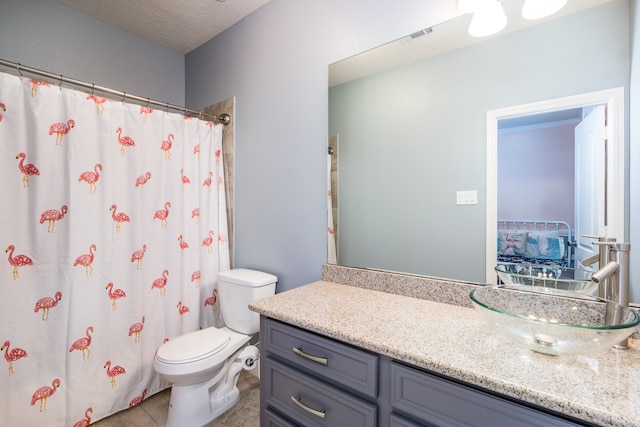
x,y
223,118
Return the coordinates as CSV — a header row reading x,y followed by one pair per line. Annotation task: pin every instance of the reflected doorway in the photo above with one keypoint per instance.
x,y
535,186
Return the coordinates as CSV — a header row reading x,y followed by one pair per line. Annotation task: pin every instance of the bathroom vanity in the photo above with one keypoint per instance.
x,y
334,354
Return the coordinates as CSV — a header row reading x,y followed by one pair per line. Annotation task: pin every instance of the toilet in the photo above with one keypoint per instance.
x,y
203,366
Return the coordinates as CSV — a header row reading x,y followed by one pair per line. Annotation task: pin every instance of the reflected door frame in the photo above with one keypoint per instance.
x,y
614,100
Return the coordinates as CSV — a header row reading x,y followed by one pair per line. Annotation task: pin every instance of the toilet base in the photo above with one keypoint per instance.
x,y
199,404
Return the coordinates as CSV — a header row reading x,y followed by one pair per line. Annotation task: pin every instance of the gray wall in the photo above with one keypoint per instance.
x,y
47,35
275,63
634,151
411,137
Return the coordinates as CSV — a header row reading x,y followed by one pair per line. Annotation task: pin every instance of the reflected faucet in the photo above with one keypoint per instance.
x,y
617,271
602,258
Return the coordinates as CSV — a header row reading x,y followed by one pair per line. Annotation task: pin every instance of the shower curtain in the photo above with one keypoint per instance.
x,y
113,220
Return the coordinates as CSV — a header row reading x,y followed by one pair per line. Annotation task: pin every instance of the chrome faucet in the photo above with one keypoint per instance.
x,y
617,271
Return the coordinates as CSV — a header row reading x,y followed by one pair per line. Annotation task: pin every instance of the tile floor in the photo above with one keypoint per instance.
x,y
153,411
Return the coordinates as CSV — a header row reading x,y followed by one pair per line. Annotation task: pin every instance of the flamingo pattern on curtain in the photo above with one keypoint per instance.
x,y
114,223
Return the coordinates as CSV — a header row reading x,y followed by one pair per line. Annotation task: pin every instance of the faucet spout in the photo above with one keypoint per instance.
x,y
605,272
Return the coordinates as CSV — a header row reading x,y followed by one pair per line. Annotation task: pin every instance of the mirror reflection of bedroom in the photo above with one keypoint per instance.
x,y
548,183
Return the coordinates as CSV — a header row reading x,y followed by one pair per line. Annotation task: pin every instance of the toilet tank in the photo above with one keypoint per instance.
x,y
236,289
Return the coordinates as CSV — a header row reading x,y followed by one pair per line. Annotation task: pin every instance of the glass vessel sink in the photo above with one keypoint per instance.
x,y
557,323
546,276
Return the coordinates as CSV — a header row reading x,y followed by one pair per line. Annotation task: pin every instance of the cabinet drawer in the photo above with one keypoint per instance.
x,y
272,419
398,421
339,363
311,402
439,402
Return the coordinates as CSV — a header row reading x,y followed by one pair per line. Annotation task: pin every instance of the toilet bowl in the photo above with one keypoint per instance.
x,y
203,366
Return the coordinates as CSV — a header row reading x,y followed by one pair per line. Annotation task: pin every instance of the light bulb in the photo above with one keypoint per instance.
x,y
536,9
488,20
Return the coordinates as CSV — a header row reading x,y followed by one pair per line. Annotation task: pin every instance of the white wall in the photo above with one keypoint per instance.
x,y
45,34
275,63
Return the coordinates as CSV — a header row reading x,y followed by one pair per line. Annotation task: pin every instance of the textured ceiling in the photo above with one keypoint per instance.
x,y
180,25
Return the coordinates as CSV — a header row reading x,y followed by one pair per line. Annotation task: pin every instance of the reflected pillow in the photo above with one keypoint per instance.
x,y
546,245
513,242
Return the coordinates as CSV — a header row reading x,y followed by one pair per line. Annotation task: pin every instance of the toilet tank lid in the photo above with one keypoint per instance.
x,y
247,277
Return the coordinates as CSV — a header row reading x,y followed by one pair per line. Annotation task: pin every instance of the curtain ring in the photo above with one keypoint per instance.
x,y
167,108
148,101
93,88
60,84
124,96
19,70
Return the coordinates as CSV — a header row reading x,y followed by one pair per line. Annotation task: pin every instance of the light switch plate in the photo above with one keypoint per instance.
x,y
467,197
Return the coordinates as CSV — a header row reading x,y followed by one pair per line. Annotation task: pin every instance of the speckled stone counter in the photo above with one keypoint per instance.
x,y
454,340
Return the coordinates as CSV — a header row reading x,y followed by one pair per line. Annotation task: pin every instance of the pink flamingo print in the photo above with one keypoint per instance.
x,y
119,217
91,178
99,101
182,309
196,150
161,283
124,141
163,214
13,355
208,241
222,239
87,419
46,304
212,300
86,260
35,84
218,153
145,111
183,245
114,294
43,393
136,328
220,181
61,129
113,372
138,399
83,344
27,170
207,182
3,108
196,277
138,255
143,179
166,146
185,179
17,261
196,214
51,216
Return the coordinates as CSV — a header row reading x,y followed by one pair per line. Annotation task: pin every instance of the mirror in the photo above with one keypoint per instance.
x,y
411,134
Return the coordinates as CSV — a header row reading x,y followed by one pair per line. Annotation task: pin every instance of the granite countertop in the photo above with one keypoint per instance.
x,y
452,340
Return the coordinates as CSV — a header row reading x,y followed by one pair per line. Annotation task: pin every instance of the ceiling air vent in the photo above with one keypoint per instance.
x,y
413,36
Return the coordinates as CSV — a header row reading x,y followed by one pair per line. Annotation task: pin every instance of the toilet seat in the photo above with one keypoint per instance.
x,y
194,346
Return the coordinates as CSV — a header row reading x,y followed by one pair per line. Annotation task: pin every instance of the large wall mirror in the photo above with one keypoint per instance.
x,y
408,125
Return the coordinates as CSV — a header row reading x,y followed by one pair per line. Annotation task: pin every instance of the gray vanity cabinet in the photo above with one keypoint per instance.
x,y
310,380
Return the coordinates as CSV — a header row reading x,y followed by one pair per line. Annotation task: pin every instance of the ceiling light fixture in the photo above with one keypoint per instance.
x,y
488,19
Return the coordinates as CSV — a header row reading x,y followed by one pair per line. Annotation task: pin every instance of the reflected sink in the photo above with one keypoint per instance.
x,y
553,323
546,276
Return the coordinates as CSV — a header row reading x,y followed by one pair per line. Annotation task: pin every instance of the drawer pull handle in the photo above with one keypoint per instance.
x,y
317,413
321,360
